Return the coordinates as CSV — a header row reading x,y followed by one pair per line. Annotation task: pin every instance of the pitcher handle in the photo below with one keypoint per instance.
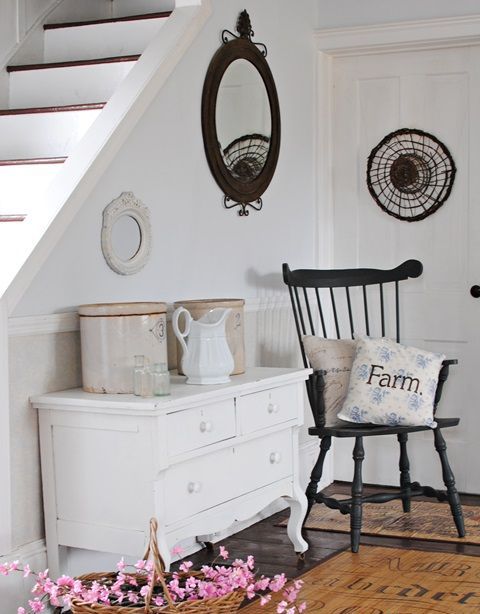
x,y
178,333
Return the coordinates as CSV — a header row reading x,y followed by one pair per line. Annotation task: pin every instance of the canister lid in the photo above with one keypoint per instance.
x,y
213,302
121,309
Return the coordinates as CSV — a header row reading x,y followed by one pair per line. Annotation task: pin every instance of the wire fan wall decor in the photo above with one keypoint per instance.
x,y
410,174
245,157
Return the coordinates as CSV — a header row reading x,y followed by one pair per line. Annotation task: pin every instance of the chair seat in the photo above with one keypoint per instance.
x,y
368,430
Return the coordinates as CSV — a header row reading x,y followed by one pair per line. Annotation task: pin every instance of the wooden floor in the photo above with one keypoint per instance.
x,y
274,553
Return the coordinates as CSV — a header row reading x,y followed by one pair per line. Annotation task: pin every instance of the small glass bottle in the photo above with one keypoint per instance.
x,y
161,379
138,372
142,377
147,381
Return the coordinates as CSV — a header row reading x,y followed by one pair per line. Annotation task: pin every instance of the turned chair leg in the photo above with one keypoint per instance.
x,y
449,480
357,491
316,474
404,466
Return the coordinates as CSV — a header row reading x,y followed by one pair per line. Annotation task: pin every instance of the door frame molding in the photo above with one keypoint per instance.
x,y
333,43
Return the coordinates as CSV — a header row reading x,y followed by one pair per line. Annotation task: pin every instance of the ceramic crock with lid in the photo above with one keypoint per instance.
x,y
112,334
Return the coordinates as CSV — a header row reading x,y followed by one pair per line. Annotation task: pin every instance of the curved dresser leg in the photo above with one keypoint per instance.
x,y
298,509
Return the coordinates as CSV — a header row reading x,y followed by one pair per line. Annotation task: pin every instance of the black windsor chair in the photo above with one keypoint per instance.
x,y
326,297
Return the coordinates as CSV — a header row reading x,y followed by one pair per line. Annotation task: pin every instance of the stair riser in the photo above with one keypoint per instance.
x,y
66,85
43,134
127,7
20,186
101,40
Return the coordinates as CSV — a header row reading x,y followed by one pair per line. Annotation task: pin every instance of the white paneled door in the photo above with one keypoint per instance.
x,y
437,91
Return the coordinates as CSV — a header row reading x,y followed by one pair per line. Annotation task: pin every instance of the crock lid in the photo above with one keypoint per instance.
x,y
219,302
121,309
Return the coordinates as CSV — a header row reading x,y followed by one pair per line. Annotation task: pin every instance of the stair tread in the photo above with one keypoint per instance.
x,y
20,161
91,22
111,60
54,109
11,218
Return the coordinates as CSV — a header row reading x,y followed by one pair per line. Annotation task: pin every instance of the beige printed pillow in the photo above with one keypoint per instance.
x,y
392,384
334,358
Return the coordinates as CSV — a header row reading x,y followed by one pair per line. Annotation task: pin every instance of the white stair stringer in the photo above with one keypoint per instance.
x,y
26,247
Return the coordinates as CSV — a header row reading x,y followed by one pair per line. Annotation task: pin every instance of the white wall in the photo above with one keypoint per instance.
x,y
199,248
345,13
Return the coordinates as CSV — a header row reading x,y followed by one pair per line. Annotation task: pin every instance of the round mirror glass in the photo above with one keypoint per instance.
x,y
243,120
126,237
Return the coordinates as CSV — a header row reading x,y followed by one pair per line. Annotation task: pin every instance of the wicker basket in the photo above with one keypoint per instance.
x,y
228,604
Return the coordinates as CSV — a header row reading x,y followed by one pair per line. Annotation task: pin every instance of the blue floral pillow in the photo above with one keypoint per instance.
x,y
391,384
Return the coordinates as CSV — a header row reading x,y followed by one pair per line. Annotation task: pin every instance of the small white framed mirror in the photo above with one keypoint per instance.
x,y
126,234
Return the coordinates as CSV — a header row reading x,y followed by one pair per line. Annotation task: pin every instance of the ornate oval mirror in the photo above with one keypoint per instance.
x,y
241,119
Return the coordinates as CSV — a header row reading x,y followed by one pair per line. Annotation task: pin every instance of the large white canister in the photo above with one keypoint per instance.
x,y
112,334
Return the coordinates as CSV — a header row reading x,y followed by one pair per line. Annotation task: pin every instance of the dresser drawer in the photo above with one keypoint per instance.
x,y
201,426
263,461
198,484
260,410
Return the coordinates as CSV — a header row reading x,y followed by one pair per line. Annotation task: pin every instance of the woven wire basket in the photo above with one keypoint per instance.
x,y
227,604
410,174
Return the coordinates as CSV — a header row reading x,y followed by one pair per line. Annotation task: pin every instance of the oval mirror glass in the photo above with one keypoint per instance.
x,y
126,237
243,120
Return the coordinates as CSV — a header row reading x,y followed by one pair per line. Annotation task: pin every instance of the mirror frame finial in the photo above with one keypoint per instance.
x,y
238,193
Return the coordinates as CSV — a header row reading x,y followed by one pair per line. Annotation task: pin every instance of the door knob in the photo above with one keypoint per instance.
x,y
475,291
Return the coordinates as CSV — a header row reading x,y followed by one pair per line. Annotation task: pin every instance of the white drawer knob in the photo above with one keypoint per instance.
x,y
194,487
205,427
273,408
275,457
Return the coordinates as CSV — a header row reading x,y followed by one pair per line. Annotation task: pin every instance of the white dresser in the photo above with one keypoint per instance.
x,y
199,460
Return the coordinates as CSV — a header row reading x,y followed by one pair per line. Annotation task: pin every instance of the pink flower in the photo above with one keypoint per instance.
x,y
21,611
65,581
250,591
121,564
265,599
36,606
176,550
224,553
302,607
186,566
278,582
26,570
133,597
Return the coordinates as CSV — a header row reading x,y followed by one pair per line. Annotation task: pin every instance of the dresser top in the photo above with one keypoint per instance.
x,y
182,394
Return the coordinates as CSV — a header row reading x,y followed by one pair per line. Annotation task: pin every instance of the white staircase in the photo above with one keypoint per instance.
x,y
53,104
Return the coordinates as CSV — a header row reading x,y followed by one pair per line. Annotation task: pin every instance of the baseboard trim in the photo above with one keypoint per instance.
x,y
26,552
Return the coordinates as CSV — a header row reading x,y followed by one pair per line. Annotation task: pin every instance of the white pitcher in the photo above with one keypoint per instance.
x,y
207,359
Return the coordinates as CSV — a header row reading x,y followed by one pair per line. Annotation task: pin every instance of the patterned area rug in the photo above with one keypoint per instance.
x,y
427,520
390,581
